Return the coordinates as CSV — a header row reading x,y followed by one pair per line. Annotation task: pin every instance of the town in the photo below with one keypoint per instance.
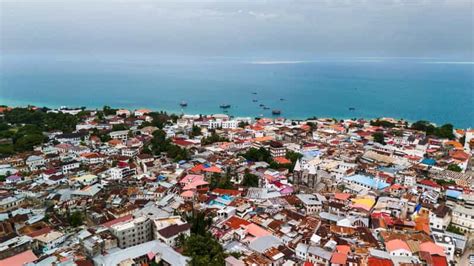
x,y
139,187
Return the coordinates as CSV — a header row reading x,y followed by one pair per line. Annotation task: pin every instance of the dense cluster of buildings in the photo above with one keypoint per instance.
x,y
84,199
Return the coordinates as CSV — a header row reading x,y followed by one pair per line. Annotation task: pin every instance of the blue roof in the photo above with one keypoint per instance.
x,y
453,193
368,181
428,161
311,154
391,170
418,207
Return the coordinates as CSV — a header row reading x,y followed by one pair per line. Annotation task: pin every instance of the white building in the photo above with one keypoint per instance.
x,y
463,218
119,173
121,134
440,218
132,233
34,162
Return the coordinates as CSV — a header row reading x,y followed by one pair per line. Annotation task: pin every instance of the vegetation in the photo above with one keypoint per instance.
x,y
250,180
203,250
454,167
160,144
195,131
382,123
454,229
213,138
75,219
443,182
119,127
41,119
243,124
201,246
160,119
379,137
258,155
219,181
312,125
107,110
445,131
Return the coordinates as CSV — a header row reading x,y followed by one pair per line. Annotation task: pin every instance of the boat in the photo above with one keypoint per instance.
x,y
262,105
224,106
183,104
266,108
351,108
254,93
281,99
276,112
254,101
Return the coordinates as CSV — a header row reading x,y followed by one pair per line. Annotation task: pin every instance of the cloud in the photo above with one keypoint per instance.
x,y
270,29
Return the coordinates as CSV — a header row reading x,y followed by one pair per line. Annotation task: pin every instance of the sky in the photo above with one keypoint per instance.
x,y
290,30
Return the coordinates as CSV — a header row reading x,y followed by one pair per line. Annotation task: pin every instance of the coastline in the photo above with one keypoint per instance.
x,y
178,112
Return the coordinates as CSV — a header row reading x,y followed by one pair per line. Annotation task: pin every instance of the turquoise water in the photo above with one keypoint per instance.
x,y
412,89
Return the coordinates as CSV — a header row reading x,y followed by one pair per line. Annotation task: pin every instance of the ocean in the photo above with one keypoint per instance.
x,y
409,88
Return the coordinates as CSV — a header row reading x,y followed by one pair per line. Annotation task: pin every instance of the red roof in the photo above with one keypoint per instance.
x,y
235,222
460,155
197,168
439,261
396,244
118,220
19,259
212,169
39,232
339,258
282,160
182,142
429,183
230,192
374,261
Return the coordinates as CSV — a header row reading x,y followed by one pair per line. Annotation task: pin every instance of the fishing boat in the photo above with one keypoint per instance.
x,y
276,112
224,106
183,104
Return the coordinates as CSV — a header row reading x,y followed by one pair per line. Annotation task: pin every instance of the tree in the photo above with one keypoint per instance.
x,y
160,143
213,138
75,219
313,126
195,131
379,137
119,127
445,131
382,123
454,167
250,180
256,155
203,250
243,124
107,110
453,229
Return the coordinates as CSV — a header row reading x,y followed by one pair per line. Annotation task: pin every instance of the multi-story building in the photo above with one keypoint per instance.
x,y
134,232
440,218
463,218
121,134
119,173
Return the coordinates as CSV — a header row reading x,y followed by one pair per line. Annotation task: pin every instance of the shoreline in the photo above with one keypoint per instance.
x,y
177,112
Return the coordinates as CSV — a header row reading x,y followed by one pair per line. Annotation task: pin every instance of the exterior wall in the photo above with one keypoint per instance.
x,y
133,233
463,218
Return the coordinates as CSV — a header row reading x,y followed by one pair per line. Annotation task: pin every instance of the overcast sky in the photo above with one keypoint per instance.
x,y
272,29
